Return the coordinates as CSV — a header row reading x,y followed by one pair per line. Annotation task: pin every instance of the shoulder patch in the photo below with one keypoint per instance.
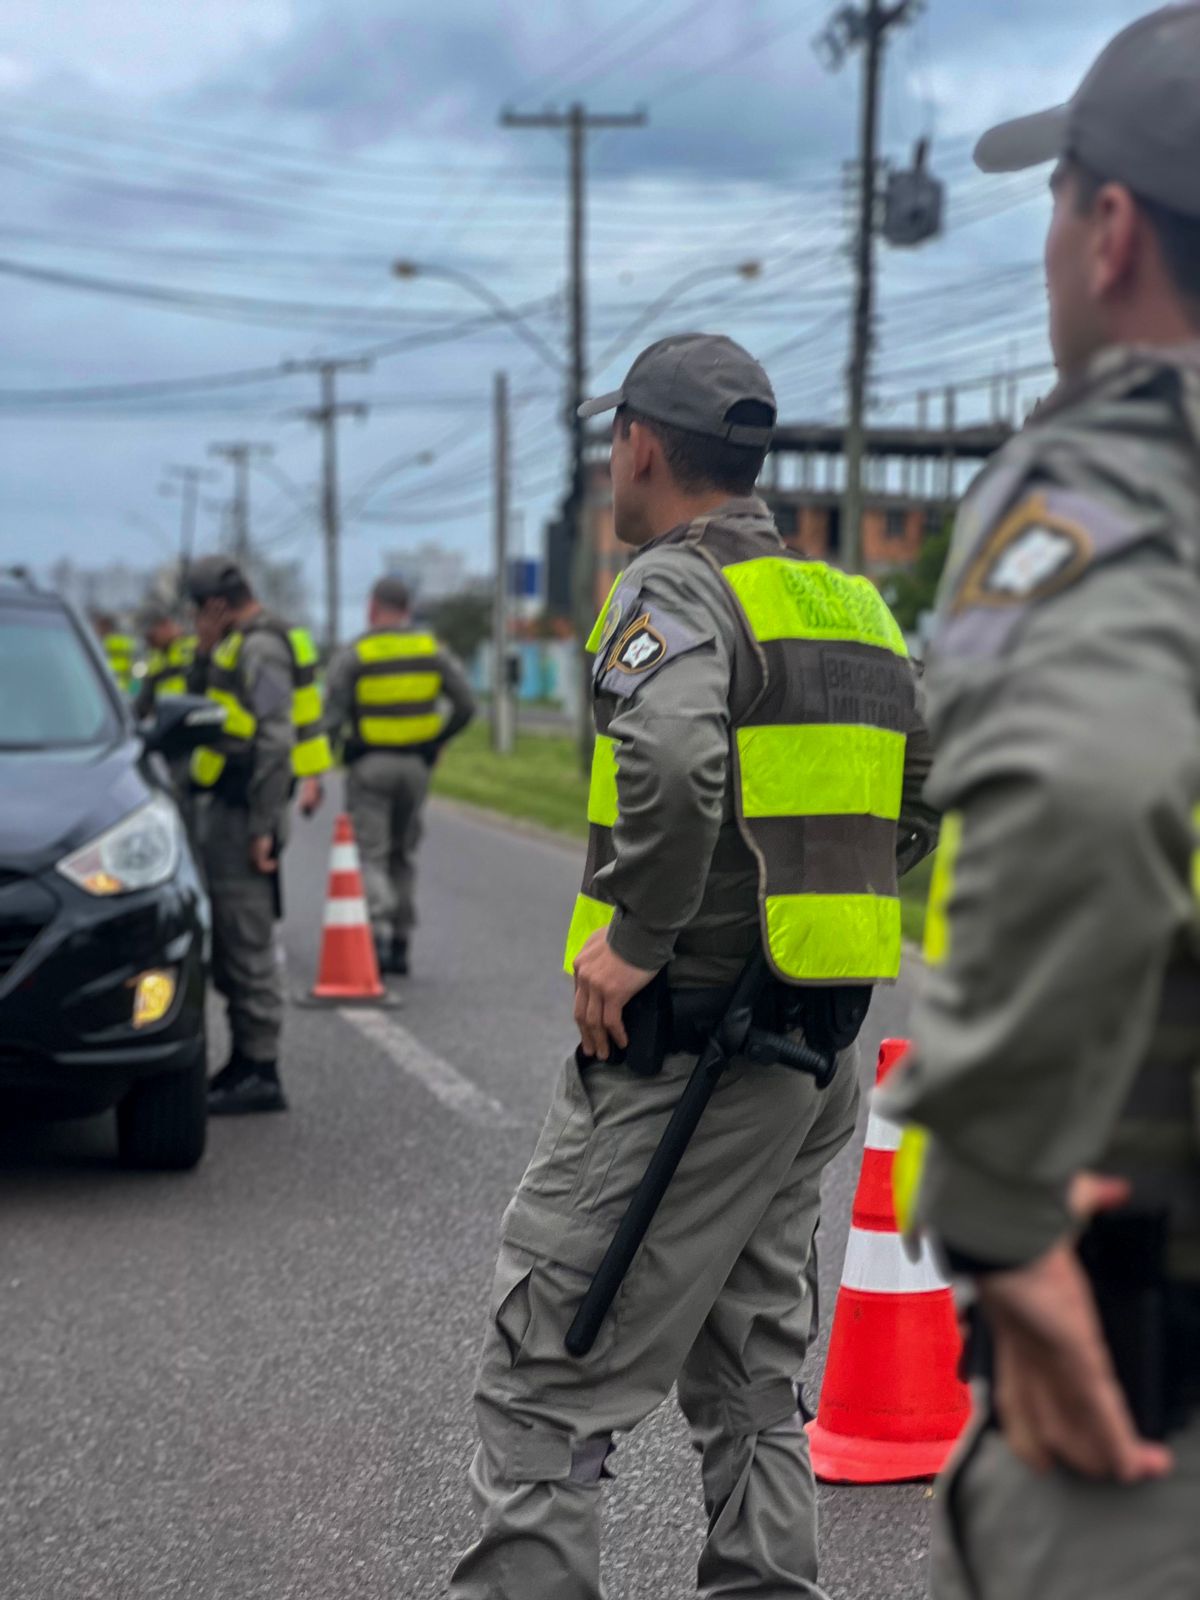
x,y
648,641
1035,551
639,648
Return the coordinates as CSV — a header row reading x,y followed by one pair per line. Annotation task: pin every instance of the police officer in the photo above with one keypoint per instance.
x,y
120,649
263,673
387,695
1057,1043
171,651
757,767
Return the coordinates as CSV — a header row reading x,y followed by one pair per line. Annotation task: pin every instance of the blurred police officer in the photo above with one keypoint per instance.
x,y
397,697
757,767
1057,1043
171,652
263,673
120,649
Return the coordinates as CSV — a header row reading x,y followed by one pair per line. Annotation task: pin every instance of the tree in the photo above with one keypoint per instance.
x,y
911,591
463,621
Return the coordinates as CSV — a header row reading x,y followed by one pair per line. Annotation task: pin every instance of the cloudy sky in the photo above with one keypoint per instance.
x,y
207,189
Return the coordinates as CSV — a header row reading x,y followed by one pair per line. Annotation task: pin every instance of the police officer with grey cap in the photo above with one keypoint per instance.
x,y
1053,1086
394,699
755,789
243,785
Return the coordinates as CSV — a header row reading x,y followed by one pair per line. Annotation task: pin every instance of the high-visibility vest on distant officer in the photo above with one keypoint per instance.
x,y
311,754
397,686
817,716
166,670
120,650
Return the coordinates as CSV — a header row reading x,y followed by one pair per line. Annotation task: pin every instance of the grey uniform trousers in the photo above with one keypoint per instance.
x,y
245,958
1004,1533
716,1301
385,792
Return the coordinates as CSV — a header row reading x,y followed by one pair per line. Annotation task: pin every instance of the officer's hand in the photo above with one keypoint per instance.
x,y
1056,1393
312,792
262,854
604,986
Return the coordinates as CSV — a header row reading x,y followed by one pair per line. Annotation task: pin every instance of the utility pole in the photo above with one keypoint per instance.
x,y
578,122
326,417
502,706
849,29
239,455
189,480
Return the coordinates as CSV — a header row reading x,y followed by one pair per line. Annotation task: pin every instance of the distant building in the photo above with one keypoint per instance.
x,y
431,572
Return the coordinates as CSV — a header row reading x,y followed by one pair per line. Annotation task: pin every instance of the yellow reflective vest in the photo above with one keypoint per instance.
x,y
311,754
120,650
821,697
397,686
166,670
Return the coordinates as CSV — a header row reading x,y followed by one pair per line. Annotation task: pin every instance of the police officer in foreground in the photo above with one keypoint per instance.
x,y
263,673
1056,1058
386,696
757,768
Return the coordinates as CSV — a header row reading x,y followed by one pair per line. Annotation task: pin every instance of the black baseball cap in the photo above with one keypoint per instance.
x,y
1135,118
214,578
693,381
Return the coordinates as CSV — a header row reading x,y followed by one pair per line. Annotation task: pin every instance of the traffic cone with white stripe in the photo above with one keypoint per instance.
x,y
349,969
892,1404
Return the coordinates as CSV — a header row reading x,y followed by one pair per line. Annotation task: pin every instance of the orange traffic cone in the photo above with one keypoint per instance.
x,y
349,969
892,1403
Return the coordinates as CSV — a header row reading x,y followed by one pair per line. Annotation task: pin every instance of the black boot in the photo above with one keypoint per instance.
x,y
398,958
234,1070
255,1087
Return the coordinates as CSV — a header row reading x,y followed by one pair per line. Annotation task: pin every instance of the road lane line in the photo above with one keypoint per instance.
x,y
442,1080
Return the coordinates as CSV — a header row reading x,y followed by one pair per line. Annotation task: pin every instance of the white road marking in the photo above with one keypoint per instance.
x,y
443,1080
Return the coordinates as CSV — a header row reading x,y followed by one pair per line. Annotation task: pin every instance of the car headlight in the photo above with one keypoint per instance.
x,y
139,853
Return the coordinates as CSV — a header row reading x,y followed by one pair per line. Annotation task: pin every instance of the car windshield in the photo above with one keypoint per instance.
x,y
51,691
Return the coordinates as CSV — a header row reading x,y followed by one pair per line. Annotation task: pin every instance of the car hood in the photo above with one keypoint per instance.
x,y
56,800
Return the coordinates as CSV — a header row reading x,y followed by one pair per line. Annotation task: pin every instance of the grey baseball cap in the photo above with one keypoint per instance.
x,y
214,578
692,381
1135,118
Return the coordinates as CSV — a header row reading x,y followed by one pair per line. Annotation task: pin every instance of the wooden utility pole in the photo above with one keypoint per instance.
x,y
325,416
239,455
578,122
502,706
850,28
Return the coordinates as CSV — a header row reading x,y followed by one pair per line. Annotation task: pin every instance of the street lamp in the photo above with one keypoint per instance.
x,y
746,270
407,270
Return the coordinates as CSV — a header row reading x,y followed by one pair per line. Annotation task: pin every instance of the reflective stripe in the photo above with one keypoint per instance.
x,y
306,705
820,769
786,599
941,887
239,723
882,1132
392,646
207,766
170,686
597,633
344,858
823,937
399,730
345,913
1196,855
876,1263
907,1171
396,688
311,757
602,792
304,651
588,918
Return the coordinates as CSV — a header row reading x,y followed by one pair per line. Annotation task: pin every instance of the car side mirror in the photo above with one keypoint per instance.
x,y
182,723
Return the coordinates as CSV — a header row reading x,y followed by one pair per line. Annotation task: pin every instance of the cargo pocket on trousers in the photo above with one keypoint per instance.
x,y
510,1297
561,1151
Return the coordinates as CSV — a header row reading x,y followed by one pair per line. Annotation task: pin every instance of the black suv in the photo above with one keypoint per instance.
x,y
104,923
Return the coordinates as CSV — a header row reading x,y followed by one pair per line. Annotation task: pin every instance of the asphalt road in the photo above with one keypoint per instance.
x,y
254,1381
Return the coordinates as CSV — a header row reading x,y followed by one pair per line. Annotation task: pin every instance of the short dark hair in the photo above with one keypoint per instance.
x,y
697,462
392,592
1178,236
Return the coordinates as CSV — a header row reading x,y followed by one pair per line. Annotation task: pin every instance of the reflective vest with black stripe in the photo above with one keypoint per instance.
x,y
397,687
227,764
120,650
166,670
821,697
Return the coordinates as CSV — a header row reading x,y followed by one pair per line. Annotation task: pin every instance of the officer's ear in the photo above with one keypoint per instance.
x,y
645,452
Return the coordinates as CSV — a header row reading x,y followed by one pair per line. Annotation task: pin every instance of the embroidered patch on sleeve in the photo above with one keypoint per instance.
x,y
1034,552
649,639
639,648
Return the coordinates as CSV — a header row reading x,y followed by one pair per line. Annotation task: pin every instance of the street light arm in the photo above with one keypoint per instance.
x,y
744,269
475,286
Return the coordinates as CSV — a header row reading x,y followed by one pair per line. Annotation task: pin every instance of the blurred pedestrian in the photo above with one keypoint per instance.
x,y
395,697
1056,1043
120,649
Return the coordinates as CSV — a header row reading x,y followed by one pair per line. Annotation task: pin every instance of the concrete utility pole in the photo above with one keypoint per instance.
x,y
850,28
239,455
502,706
326,417
578,123
189,480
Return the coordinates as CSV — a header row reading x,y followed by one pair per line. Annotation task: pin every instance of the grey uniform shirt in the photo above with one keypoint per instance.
x,y
1064,699
339,691
265,670
684,882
